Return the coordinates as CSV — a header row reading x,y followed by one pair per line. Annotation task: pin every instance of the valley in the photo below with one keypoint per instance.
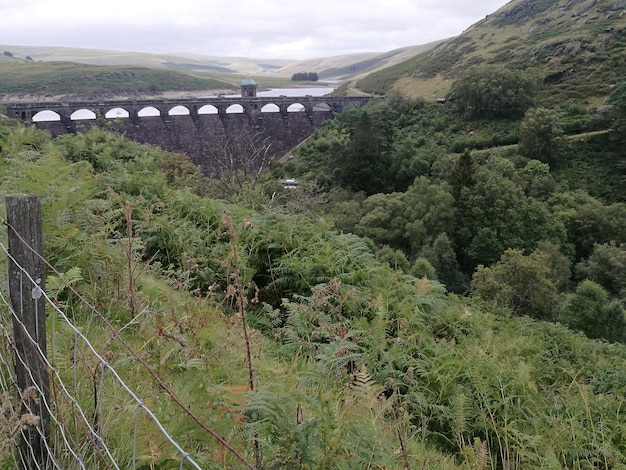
x,y
442,287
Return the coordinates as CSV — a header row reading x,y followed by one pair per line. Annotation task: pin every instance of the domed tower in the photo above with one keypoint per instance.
x,y
248,88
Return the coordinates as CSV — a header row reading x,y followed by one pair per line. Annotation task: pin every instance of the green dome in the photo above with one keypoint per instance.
x,y
248,81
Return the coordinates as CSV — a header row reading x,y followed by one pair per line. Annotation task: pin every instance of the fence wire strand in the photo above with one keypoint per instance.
x,y
10,343
96,441
116,334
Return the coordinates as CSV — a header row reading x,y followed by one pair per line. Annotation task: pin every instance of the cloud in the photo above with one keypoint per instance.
x,y
251,28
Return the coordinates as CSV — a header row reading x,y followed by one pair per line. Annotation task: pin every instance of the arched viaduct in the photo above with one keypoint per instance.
x,y
192,125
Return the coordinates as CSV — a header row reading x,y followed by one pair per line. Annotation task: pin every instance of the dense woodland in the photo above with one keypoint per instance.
x,y
465,191
444,289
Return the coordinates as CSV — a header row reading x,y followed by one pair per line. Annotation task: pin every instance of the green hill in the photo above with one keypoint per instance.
x,y
336,68
577,45
350,66
55,78
354,364
239,65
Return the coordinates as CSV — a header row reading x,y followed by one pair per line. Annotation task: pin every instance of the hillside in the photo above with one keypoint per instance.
x,y
28,72
301,346
444,289
20,78
350,66
578,45
329,68
182,61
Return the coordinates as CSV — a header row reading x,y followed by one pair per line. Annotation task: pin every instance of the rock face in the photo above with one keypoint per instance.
x,y
524,11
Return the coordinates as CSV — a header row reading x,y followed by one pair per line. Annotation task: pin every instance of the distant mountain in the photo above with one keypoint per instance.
x,y
579,45
336,68
343,67
26,79
188,62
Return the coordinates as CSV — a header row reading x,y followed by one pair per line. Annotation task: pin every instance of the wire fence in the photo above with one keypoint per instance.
x,y
66,407
90,427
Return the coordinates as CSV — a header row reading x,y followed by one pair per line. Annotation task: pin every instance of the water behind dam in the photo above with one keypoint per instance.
x,y
85,114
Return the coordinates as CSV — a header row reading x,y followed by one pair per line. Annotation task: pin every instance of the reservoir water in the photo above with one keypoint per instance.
x,y
306,91
86,114
312,91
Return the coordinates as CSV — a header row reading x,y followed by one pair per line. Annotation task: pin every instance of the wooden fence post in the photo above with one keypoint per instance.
x,y
29,328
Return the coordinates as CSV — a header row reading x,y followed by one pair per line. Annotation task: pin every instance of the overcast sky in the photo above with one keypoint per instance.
x,y
286,29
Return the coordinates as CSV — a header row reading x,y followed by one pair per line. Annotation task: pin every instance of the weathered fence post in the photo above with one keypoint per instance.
x,y
29,328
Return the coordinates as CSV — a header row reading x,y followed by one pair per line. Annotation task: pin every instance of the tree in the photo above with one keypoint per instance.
x,y
319,157
589,221
590,311
537,180
382,118
404,104
521,283
559,264
422,268
429,212
495,215
396,259
305,76
344,213
443,258
492,92
462,175
607,267
238,160
384,220
539,135
410,158
364,165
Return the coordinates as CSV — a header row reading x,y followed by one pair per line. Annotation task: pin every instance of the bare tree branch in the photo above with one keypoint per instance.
x,y
239,159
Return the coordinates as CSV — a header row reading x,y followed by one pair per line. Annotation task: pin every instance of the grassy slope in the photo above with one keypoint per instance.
x,y
583,35
455,372
355,65
67,77
337,67
173,61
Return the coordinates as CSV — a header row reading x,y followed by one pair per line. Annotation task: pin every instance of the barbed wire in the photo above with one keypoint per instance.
x,y
64,398
98,441
116,334
11,348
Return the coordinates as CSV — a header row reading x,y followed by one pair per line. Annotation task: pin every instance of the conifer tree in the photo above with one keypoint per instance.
x,y
462,175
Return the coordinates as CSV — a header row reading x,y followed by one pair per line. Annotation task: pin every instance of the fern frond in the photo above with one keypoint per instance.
x,y
477,456
362,382
459,404
483,459
57,284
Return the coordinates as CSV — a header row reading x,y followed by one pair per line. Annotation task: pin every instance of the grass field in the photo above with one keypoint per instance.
x,y
69,78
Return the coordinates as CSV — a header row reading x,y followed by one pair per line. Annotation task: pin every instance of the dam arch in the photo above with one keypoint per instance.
x,y
194,126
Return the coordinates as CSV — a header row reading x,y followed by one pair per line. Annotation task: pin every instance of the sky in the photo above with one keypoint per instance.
x,y
273,29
